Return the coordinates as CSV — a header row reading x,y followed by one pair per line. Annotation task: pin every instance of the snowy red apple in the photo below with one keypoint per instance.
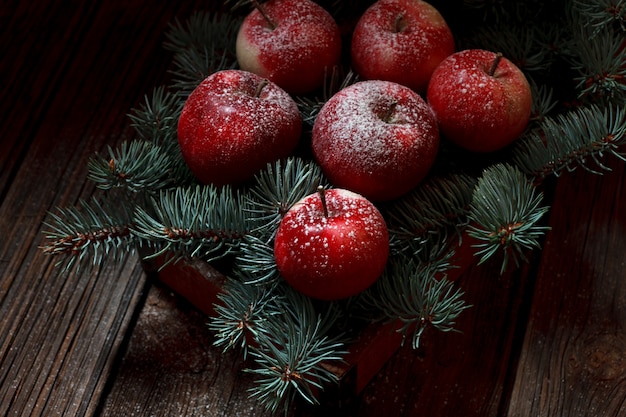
x,y
376,138
482,101
293,43
401,41
233,124
332,244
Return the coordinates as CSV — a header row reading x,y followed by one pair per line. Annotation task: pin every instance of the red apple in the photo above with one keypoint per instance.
x,y
332,244
233,124
401,41
376,138
291,42
482,101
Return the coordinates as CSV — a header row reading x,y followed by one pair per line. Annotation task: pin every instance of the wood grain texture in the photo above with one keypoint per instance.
x,y
70,86
573,360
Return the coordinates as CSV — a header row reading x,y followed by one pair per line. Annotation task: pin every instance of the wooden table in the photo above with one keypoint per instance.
x,y
546,340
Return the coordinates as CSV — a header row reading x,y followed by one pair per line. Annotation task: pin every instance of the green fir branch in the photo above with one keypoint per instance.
x,y
599,60
206,222
578,138
135,166
291,352
93,231
413,296
602,14
255,263
437,205
505,214
203,45
156,119
241,314
278,187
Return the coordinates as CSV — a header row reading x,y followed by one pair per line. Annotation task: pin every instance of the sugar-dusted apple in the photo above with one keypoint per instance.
x,y
401,41
332,244
293,43
233,124
482,100
376,138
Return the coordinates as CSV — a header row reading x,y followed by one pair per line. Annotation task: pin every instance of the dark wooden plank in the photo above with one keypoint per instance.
x,y
172,369
89,63
573,361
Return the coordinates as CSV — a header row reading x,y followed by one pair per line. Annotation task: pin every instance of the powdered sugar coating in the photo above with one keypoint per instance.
x,y
336,256
479,111
376,138
296,53
401,41
227,131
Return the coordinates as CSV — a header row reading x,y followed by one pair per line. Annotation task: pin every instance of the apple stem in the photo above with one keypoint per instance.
x,y
400,23
260,87
495,63
322,194
261,10
386,116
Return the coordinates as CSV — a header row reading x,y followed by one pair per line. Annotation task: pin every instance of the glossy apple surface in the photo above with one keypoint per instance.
x,y
376,138
296,50
233,124
334,254
477,110
401,41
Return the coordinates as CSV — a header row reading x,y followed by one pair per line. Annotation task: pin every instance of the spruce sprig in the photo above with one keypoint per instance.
x,y
202,46
291,352
241,314
602,14
134,166
505,215
412,295
156,118
199,221
581,137
92,231
437,205
278,187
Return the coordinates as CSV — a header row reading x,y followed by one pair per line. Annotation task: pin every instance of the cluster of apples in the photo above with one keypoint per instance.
x,y
377,138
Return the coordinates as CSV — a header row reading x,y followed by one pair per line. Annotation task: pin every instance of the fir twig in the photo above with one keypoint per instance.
x,y
93,230
291,352
603,14
202,46
505,214
566,141
156,119
255,263
277,188
134,166
202,221
600,62
435,206
411,294
241,314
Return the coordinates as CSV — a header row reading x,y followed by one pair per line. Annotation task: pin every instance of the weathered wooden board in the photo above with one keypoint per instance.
x,y
573,358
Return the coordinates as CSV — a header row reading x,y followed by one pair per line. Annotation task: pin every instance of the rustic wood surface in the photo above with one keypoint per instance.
x,y
546,340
